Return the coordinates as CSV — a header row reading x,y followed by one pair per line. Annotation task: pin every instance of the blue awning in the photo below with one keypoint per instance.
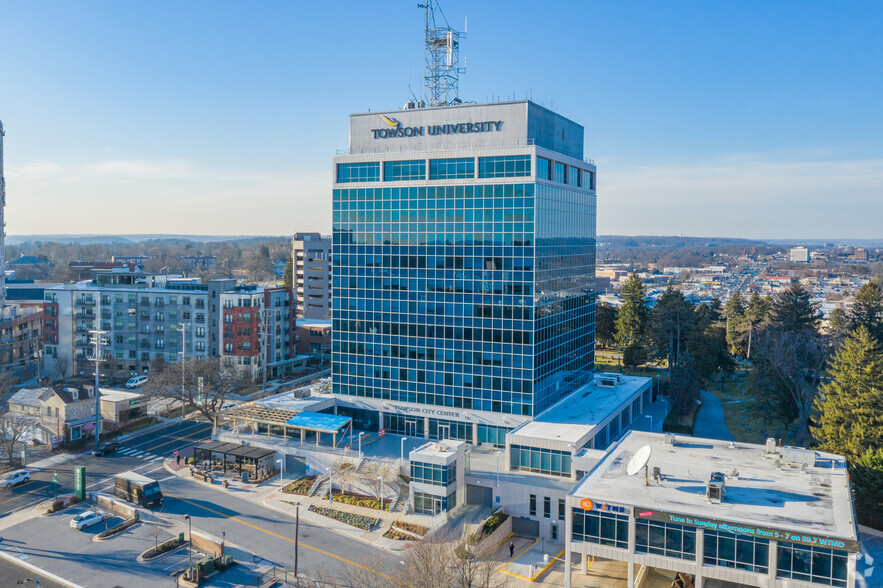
x,y
319,421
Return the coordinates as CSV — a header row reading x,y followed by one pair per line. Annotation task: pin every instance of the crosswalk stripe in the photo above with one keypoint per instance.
x,y
127,451
136,454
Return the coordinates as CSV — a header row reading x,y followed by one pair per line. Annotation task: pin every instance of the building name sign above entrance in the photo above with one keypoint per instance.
x,y
393,128
751,531
426,411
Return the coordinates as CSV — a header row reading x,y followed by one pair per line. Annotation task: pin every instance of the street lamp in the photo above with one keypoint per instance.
x,y
330,486
190,545
647,416
381,491
281,474
296,528
55,480
499,453
360,443
402,455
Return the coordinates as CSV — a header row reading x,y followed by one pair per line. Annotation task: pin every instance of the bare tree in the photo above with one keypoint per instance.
x,y
795,362
63,364
206,385
460,560
366,573
8,384
156,532
13,427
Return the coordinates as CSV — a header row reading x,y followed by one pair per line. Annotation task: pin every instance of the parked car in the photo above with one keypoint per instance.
x,y
136,381
86,519
105,448
15,478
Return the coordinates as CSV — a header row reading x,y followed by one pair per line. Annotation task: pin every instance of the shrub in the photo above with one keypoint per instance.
x,y
359,521
493,522
57,505
365,502
412,527
301,486
73,500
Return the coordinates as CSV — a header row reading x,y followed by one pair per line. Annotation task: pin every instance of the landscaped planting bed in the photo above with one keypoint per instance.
x,y
359,521
412,527
393,533
162,548
301,486
360,500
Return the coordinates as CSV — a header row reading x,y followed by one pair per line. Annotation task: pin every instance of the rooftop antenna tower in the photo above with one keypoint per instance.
x,y
2,225
442,57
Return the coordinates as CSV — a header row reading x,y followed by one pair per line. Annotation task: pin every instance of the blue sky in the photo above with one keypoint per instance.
x,y
744,119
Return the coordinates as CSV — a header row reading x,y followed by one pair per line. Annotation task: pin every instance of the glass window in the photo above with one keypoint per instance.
x,y
573,176
449,169
542,461
533,505
667,539
432,505
560,509
729,550
358,172
560,173
506,166
547,507
812,564
588,179
403,171
435,474
604,528
544,169
492,434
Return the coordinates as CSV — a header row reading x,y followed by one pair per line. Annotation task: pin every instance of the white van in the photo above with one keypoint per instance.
x,y
136,382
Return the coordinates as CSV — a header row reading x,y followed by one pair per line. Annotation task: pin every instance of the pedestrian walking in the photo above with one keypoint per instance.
x,y
177,459
511,549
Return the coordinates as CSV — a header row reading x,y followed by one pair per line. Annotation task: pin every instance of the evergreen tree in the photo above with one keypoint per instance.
x,y
792,310
684,387
838,326
867,310
633,313
850,406
605,324
866,475
734,313
756,314
288,276
670,324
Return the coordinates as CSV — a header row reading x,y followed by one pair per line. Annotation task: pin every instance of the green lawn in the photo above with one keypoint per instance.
x,y
740,411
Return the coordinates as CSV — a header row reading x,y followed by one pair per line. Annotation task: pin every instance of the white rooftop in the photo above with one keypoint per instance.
x,y
816,501
443,448
308,322
113,395
288,401
572,417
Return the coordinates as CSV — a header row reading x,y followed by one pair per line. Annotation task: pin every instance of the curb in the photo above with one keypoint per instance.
x,y
38,570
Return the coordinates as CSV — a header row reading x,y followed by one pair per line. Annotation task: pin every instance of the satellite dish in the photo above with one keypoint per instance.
x,y
639,460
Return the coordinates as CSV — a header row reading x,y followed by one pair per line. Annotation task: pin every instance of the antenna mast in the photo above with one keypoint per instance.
x,y
442,58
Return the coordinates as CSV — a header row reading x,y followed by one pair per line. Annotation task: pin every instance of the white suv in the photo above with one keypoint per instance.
x,y
86,519
15,478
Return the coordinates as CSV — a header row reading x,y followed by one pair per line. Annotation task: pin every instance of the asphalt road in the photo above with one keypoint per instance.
x,y
266,534
142,452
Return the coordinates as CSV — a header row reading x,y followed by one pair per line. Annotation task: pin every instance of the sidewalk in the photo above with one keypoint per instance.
x,y
532,562
268,494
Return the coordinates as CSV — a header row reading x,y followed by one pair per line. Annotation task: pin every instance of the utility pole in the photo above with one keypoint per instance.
x,y
98,340
183,357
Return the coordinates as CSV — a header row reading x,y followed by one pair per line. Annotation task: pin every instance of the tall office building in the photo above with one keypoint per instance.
x,y
464,261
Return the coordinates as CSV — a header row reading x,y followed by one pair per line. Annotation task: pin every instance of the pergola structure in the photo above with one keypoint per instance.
x,y
288,423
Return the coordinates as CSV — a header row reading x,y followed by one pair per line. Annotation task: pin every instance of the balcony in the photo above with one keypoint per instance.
x,y
85,315
84,302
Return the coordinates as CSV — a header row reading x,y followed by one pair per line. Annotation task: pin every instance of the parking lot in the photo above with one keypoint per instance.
x,y
50,543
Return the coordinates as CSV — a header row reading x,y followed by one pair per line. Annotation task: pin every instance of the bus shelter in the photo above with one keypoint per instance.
x,y
234,454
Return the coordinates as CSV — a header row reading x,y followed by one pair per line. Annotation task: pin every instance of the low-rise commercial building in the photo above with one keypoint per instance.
x,y
740,514
60,414
119,407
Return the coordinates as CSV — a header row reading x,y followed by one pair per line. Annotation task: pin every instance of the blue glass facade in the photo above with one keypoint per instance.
x,y
465,296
